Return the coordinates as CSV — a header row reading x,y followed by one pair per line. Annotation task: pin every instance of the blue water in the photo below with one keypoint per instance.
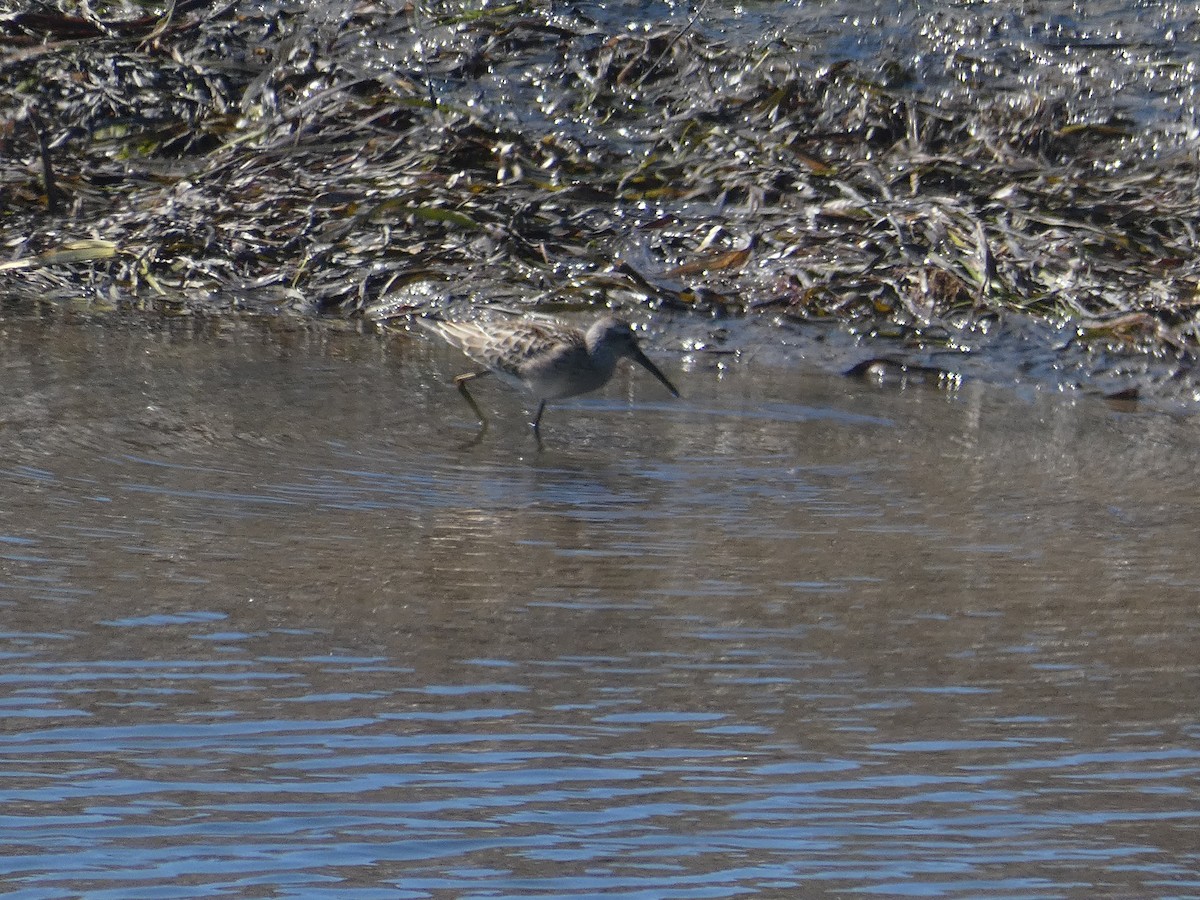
x,y
270,629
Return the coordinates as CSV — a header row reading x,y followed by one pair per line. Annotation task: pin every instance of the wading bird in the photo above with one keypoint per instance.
x,y
550,359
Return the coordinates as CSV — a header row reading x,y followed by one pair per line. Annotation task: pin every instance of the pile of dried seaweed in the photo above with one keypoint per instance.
x,y
325,158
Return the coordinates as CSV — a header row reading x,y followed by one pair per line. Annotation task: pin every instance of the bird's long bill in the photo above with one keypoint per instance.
x,y
650,367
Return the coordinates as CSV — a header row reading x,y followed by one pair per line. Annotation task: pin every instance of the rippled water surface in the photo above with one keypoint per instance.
x,y
269,628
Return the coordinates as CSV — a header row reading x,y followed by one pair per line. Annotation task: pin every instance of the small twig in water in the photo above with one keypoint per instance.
x,y
53,195
415,5
671,43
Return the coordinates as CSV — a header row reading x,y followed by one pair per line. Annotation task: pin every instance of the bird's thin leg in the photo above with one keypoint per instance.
x,y
537,424
460,381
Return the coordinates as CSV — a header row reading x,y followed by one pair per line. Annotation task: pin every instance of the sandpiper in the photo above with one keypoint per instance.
x,y
550,359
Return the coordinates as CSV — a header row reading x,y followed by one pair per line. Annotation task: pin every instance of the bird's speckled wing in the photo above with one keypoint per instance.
x,y
512,347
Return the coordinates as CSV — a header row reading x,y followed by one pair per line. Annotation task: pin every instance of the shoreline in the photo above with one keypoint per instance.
x,y
317,161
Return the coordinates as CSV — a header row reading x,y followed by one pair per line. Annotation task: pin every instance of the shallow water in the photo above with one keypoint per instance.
x,y
270,629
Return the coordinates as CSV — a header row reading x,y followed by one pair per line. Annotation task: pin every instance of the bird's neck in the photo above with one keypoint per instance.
x,y
603,359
